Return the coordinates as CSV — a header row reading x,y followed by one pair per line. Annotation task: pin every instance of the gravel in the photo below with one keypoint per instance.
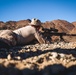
x,y
39,59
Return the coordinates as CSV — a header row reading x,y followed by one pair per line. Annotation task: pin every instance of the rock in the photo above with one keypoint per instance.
x,y
9,57
40,60
18,58
54,55
62,55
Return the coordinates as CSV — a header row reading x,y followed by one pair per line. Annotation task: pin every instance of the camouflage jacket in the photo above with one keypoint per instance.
x,y
21,36
27,34
8,37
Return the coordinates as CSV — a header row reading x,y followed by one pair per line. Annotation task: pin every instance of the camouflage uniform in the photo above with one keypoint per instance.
x,y
23,35
27,34
7,38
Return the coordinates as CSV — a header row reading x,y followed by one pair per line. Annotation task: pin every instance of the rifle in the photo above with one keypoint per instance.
x,y
50,32
53,31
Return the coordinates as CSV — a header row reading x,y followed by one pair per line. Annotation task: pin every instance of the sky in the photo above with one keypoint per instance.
x,y
45,10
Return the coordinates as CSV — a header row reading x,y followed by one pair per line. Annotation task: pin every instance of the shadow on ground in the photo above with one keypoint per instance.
x,y
56,69
24,55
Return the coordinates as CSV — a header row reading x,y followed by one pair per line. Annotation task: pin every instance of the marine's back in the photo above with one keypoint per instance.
x,y
25,34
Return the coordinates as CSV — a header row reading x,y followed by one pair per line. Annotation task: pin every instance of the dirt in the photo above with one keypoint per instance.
x,y
39,59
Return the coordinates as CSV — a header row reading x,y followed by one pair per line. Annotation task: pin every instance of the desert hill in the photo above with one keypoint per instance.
x,y
61,25
14,24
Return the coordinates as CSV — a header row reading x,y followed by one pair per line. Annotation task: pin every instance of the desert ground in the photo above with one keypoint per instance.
x,y
58,57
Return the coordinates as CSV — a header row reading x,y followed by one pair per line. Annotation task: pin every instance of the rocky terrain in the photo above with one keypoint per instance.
x,y
56,58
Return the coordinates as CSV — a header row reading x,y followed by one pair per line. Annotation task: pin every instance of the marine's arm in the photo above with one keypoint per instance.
x,y
41,39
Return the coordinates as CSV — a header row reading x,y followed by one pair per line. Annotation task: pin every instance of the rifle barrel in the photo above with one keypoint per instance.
x,y
55,32
59,34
